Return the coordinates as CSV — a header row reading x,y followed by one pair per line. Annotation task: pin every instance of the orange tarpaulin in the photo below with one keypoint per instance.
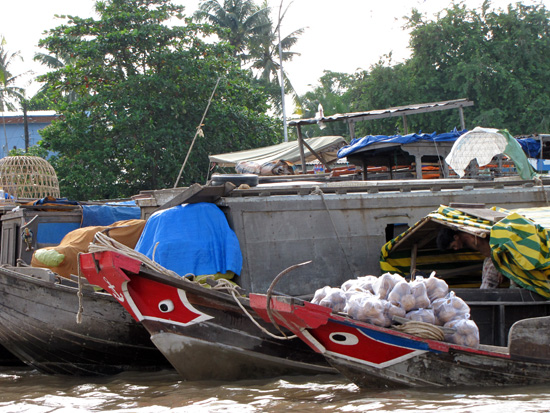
x,y
125,232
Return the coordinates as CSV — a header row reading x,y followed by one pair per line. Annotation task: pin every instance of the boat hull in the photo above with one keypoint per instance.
x,y
38,324
204,333
376,357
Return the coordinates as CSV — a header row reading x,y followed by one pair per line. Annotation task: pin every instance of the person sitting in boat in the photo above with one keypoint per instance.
x,y
448,238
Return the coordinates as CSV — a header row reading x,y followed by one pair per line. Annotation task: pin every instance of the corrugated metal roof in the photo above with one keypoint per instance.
x,y
386,113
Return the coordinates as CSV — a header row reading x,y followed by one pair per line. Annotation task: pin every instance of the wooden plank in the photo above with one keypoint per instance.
x,y
413,259
529,339
479,211
197,193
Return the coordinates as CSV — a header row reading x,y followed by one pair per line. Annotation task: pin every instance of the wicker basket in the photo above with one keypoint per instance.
x,y
28,177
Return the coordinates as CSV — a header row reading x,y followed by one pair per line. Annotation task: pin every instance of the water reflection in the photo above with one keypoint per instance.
x,y
25,390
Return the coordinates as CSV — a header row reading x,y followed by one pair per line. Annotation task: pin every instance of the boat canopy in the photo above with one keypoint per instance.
x,y
519,241
325,146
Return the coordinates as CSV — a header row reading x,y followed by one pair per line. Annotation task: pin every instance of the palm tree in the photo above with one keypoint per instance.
x,y
265,59
53,62
8,91
256,41
57,62
267,53
238,21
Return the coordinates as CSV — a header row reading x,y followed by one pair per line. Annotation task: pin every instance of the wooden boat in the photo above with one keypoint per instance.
x,y
513,323
206,334
38,324
375,357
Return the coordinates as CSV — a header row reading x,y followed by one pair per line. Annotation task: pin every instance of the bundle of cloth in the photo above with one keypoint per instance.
x,y
269,168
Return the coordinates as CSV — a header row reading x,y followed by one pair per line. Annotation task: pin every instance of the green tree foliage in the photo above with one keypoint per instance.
x,y
383,86
42,100
46,99
142,90
35,150
333,94
497,58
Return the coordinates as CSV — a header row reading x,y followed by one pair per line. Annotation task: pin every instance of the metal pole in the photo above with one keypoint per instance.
x,y
282,75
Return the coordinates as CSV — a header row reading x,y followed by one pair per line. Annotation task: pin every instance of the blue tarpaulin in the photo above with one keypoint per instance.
x,y
530,146
103,215
192,239
360,143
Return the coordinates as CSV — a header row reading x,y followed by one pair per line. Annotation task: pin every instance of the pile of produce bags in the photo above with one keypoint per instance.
x,y
377,300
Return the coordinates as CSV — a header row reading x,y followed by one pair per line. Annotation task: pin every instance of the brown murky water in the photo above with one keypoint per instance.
x,y
25,390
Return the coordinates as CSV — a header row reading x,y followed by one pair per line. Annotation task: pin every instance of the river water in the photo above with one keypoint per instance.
x,y
23,389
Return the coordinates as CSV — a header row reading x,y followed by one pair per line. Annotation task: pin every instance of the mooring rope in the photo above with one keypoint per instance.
x,y
103,242
79,293
422,330
538,180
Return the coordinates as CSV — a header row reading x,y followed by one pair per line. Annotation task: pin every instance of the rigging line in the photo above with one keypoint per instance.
x,y
318,191
439,161
199,131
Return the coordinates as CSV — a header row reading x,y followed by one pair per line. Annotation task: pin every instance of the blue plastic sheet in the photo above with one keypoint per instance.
x,y
360,143
530,146
192,239
104,215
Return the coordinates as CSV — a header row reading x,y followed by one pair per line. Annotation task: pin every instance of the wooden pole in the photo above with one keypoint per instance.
x,y
301,146
413,260
461,113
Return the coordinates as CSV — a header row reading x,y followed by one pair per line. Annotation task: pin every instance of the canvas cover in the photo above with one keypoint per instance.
x,y
126,232
520,245
191,239
288,151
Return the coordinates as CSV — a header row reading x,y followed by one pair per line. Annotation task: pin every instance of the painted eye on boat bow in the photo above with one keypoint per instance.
x,y
165,306
345,339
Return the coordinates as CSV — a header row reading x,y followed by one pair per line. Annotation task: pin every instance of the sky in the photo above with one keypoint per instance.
x,y
340,35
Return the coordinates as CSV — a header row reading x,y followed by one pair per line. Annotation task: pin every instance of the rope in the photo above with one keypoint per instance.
x,y
319,191
103,242
198,132
264,330
79,293
538,180
422,330
20,263
439,160
270,292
